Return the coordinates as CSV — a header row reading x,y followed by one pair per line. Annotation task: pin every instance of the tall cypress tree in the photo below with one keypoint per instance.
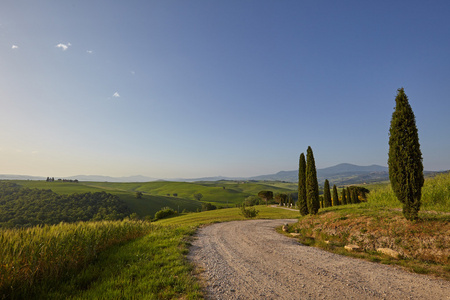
x,y
326,194
302,206
349,196
344,198
335,196
355,198
312,186
405,157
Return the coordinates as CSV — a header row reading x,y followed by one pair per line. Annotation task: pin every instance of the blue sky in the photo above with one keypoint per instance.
x,y
172,89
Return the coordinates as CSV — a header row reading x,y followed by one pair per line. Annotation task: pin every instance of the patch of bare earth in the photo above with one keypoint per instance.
x,y
250,260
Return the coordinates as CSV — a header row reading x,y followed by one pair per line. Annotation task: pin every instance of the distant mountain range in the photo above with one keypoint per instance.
x,y
342,174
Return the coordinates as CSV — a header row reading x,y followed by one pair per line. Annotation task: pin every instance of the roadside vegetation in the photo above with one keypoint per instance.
x,y
92,260
423,245
33,259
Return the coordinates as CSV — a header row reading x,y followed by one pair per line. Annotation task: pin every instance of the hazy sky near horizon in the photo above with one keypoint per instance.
x,y
172,89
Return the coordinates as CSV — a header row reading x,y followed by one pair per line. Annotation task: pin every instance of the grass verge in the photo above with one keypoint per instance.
x,y
151,267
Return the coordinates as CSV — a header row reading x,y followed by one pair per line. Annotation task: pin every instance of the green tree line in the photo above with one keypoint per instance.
x,y
23,207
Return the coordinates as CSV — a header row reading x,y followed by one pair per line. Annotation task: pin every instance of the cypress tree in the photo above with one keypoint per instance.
x,y
349,196
344,199
355,198
335,196
326,194
312,186
303,207
405,157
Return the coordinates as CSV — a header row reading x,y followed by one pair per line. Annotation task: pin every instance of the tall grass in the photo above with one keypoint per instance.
x,y
29,256
435,195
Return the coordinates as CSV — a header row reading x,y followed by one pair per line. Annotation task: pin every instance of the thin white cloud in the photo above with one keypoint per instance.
x,y
89,51
64,47
133,72
14,47
116,95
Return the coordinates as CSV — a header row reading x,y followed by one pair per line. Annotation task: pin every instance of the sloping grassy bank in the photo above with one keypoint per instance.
x,y
424,245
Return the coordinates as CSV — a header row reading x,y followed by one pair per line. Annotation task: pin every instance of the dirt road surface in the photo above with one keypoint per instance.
x,y
250,260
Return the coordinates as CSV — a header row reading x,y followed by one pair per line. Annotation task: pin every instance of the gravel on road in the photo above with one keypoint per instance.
x,y
250,260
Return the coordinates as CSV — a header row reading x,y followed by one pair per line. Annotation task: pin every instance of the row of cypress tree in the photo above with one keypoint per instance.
x,y
405,166
349,195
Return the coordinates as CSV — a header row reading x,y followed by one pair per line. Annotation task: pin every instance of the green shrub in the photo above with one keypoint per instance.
x,y
164,213
248,212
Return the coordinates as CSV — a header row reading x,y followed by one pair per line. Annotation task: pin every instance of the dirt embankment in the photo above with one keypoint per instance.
x,y
423,240
250,260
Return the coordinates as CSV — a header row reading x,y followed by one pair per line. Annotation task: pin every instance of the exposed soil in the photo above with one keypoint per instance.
x,y
250,260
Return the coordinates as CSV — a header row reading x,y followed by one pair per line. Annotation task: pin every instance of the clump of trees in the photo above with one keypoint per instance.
x,y
405,157
198,196
281,199
252,200
266,196
208,206
23,207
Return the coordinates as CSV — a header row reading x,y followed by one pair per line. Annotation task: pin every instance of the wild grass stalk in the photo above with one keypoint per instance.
x,y
31,255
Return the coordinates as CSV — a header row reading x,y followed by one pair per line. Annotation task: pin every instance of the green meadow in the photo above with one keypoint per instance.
x,y
142,260
176,195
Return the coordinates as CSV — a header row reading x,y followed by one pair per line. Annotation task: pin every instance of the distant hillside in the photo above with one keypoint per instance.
x,y
19,177
341,174
99,178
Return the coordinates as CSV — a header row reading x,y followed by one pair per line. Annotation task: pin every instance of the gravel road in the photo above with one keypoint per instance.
x,y
249,260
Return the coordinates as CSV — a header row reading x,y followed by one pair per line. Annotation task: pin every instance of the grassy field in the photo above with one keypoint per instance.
x,y
157,195
150,267
154,266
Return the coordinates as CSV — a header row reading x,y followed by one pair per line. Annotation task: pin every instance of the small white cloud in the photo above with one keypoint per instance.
x,y
64,47
133,72
116,95
14,47
89,51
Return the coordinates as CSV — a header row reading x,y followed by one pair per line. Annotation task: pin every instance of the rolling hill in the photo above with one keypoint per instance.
x,y
341,174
